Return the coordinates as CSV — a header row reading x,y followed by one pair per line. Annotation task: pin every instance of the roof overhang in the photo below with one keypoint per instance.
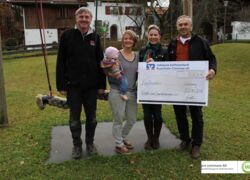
x,y
49,2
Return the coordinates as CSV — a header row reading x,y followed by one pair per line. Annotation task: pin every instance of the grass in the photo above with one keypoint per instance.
x,y
25,144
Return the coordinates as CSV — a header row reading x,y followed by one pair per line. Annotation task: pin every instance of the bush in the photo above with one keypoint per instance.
x,y
54,45
11,44
238,41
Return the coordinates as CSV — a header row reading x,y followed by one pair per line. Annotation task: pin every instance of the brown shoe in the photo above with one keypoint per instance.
x,y
183,146
128,144
122,150
195,152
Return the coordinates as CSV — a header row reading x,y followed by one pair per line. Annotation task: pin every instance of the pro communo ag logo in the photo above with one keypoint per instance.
x,y
246,166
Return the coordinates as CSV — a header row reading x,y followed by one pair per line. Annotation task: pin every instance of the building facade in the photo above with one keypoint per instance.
x,y
240,30
112,17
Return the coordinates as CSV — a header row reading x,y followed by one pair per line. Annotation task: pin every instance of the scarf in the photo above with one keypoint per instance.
x,y
151,50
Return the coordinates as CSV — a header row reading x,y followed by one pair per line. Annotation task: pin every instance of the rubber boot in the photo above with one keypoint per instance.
x,y
76,131
89,138
157,132
149,130
90,132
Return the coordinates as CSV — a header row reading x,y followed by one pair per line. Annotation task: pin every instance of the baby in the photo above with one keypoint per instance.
x,y
113,70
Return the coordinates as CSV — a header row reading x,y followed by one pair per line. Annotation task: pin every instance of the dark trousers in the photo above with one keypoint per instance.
x,y
152,119
197,123
78,97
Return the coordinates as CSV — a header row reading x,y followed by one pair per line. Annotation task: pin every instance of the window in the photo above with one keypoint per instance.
x,y
99,2
133,11
64,13
137,30
113,10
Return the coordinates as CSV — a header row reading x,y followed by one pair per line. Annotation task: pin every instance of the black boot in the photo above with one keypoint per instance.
x,y
91,149
149,130
157,131
77,152
76,130
90,132
89,137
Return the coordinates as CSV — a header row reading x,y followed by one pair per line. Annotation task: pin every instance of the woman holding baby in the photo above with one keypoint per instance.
x,y
123,103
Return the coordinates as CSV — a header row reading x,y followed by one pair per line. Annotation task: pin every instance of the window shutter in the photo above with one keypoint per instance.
x,y
107,10
126,10
120,10
139,11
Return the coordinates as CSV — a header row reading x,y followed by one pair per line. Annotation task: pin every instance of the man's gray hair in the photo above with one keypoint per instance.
x,y
83,9
184,17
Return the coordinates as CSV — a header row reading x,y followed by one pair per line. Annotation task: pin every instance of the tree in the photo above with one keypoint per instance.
x,y
135,13
10,21
138,18
244,13
3,106
160,13
174,11
205,17
211,14
102,29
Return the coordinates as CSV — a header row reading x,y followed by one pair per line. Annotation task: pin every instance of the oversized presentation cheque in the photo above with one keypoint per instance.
x,y
178,82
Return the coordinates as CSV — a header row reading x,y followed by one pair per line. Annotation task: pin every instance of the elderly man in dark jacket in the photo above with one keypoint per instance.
x,y
191,47
80,78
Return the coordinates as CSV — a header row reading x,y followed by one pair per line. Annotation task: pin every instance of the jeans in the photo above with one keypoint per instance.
x,y
122,111
122,83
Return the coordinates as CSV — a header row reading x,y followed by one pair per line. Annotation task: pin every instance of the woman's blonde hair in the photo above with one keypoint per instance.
x,y
131,34
155,27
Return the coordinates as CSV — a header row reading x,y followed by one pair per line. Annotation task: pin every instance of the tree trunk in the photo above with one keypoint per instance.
x,y
3,106
215,27
188,8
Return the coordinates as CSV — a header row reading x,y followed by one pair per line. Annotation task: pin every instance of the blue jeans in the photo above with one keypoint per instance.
x,y
122,83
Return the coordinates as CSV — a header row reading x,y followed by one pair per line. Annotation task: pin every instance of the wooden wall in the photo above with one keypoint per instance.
x,y
54,17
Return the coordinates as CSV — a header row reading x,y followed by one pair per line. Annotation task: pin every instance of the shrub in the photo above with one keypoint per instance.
x,y
11,44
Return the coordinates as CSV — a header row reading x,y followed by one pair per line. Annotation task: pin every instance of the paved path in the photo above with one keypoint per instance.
x,y
61,143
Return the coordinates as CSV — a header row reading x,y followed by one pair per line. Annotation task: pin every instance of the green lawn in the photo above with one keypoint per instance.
x,y
25,144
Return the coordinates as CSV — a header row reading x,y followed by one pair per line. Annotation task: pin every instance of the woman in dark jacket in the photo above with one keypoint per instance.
x,y
153,51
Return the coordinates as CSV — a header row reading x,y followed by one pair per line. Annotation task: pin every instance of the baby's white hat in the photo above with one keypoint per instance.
x,y
111,52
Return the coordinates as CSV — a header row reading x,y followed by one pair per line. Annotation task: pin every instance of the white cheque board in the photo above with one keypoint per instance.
x,y
178,82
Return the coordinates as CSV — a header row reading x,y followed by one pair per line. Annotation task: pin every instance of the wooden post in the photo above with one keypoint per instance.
x,y
3,106
188,7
